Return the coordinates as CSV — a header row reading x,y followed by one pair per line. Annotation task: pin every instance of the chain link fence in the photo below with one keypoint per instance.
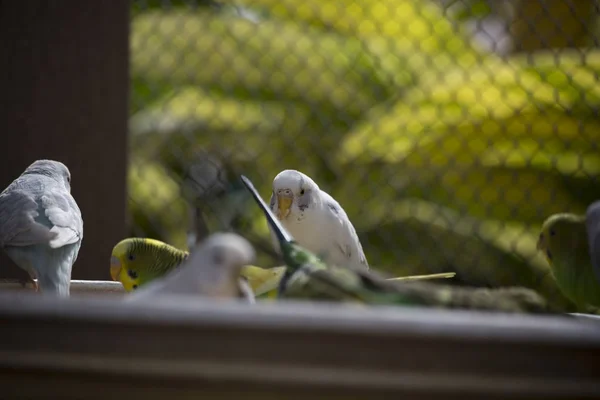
x,y
448,130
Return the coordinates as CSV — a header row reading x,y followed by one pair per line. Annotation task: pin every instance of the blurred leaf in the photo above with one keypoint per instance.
x,y
464,10
140,6
410,23
155,204
572,73
267,61
408,38
489,146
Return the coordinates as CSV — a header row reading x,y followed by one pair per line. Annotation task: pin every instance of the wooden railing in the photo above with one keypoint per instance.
x,y
181,348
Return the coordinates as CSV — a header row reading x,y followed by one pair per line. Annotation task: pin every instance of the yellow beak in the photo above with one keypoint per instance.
x,y
284,203
115,268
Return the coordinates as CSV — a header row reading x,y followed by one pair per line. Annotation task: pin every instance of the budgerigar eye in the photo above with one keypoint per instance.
x,y
131,257
132,274
552,233
301,192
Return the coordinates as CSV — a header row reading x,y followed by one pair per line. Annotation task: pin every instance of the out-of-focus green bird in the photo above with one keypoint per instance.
x,y
592,221
564,242
136,261
309,278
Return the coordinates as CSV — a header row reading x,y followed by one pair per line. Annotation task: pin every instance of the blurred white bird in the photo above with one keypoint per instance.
x,y
315,220
212,270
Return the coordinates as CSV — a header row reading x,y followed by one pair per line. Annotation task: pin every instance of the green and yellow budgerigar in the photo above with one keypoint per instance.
x,y
564,242
307,277
137,261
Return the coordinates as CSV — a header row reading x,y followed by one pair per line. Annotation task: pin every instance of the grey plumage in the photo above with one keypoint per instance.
x,y
593,230
212,270
41,228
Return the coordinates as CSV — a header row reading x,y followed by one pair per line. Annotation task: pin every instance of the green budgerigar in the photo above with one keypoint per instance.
x,y
136,261
309,278
592,222
564,242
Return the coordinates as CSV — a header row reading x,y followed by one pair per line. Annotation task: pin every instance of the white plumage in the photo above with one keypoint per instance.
x,y
315,220
212,270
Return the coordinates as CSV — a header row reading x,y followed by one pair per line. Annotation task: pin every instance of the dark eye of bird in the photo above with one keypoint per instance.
x,y
301,192
132,274
552,233
131,257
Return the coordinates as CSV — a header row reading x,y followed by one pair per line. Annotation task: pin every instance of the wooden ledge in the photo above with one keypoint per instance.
x,y
183,347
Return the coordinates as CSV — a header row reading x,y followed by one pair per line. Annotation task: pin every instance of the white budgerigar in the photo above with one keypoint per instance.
x,y
41,228
315,220
212,269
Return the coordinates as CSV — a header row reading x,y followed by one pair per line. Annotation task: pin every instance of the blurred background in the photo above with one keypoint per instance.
x,y
448,130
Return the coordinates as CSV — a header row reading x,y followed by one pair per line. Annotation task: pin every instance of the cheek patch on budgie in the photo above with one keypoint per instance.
x,y
303,202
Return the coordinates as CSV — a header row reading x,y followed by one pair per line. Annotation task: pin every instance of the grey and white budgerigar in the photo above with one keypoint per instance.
x,y
41,227
212,269
316,221
592,222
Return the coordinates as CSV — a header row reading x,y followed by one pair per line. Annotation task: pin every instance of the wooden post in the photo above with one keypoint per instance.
x,y
64,96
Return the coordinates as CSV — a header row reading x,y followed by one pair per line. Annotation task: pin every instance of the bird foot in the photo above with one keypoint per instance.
x,y
29,280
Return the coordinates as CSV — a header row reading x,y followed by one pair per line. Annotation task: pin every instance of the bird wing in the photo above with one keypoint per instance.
x,y
64,215
344,234
19,214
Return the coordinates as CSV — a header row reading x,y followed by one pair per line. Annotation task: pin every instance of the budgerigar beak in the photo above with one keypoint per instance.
x,y
115,268
284,203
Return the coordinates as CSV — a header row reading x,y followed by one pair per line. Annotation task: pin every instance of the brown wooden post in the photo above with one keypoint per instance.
x,y
64,96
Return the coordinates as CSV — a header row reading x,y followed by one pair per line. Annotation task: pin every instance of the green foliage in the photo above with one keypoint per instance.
x,y
446,159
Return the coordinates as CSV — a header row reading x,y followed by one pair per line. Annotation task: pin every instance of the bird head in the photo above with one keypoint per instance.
x,y
136,261
225,250
122,259
293,192
53,169
559,231
129,258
